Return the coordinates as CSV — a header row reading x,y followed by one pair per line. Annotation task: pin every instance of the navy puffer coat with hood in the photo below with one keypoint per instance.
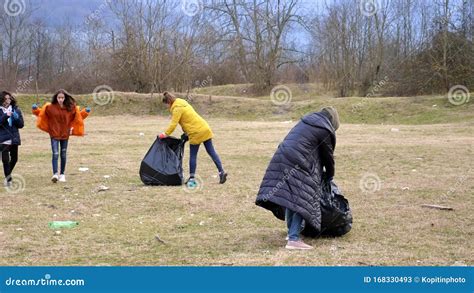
x,y
294,175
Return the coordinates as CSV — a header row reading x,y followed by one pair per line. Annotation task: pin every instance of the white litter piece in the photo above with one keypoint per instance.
x,y
106,176
19,229
394,130
102,188
141,134
435,106
287,122
406,188
201,223
83,169
414,170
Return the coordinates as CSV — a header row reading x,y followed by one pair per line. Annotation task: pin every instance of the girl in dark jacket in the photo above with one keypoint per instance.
x,y
291,187
11,120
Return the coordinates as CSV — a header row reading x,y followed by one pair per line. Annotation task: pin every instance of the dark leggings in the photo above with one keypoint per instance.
x,y
9,159
194,148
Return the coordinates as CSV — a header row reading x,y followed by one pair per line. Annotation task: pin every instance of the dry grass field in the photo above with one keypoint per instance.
x,y
220,224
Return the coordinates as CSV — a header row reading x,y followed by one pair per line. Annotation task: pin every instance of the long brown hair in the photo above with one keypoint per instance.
x,y
69,101
3,95
168,98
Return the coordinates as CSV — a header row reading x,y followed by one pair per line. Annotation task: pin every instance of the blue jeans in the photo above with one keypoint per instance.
x,y
55,144
194,148
294,222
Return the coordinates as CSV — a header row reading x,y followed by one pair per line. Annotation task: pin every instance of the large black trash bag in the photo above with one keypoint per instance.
x,y
163,163
335,213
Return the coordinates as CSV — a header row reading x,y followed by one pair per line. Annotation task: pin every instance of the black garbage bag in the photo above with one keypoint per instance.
x,y
163,163
336,215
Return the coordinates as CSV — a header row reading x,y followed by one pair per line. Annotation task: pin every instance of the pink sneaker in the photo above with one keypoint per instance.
x,y
298,245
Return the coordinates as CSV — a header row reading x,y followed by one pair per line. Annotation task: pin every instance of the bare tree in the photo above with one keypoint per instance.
x,y
255,32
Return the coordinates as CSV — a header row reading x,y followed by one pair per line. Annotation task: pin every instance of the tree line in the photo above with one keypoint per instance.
x,y
347,46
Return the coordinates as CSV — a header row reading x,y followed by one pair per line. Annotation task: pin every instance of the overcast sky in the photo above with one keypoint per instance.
x,y
57,12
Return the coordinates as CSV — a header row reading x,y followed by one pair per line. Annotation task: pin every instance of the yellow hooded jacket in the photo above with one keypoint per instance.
x,y
192,124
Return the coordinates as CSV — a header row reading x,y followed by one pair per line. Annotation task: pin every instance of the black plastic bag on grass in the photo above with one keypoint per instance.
x,y
336,215
163,163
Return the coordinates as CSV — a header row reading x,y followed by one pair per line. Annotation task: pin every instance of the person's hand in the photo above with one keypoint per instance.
x,y
162,135
15,115
184,137
88,109
34,107
9,113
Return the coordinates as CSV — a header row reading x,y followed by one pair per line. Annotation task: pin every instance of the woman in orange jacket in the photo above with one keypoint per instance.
x,y
60,118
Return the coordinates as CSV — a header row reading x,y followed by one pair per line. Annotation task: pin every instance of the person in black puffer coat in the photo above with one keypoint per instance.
x,y
291,187
11,120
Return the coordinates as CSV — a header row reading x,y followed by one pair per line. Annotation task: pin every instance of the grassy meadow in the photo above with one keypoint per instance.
x,y
392,156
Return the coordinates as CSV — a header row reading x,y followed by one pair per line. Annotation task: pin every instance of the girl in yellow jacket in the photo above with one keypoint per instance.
x,y
197,130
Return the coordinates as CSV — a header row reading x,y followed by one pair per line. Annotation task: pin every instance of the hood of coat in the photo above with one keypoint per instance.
x,y
178,103
317,119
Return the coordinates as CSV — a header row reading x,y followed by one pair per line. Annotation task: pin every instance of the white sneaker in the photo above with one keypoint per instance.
x,y
62,178
55,178
6,183
298,245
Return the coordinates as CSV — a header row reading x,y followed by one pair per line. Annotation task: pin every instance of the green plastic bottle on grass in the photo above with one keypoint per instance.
x,y
62,224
